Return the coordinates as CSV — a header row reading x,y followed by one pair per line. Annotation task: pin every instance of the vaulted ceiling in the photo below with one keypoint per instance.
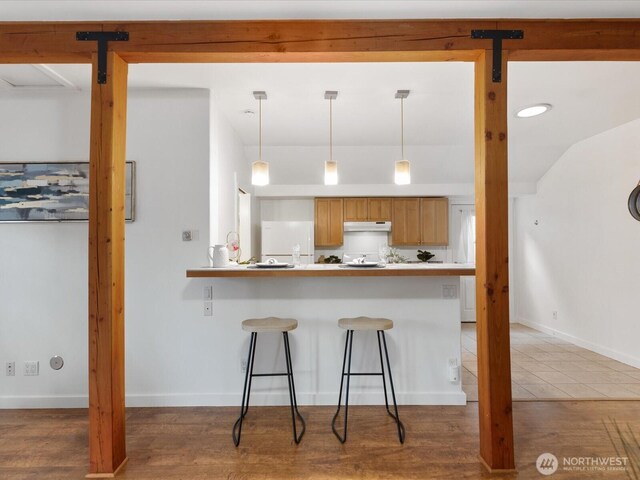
x,y
587,97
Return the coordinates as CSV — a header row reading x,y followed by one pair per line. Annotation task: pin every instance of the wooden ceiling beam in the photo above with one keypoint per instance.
x,y
318,40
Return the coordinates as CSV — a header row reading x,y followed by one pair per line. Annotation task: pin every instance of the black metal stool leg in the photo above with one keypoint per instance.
x,y
250,370
246,391
384,382
292,392
396,417
348,344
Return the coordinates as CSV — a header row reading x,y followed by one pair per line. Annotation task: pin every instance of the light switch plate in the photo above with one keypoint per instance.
x,y
207,292
208,309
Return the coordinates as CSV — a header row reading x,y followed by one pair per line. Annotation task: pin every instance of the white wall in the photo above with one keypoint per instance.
x,y
229,171
366,164
43,267
582,259
367,170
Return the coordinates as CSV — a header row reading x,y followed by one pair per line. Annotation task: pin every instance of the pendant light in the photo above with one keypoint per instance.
x,y
403,168
259,168
330,166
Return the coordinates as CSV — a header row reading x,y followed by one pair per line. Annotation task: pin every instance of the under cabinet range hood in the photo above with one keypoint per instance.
x,y
367,226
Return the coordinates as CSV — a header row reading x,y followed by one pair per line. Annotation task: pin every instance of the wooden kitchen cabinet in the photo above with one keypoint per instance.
x,y
379,209
405,228
356,209
329,219
434,221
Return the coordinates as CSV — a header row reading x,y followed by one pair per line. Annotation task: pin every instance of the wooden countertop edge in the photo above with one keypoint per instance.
x,y
382,272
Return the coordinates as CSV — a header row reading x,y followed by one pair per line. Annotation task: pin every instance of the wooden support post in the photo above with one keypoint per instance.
x,y
107,451
492,267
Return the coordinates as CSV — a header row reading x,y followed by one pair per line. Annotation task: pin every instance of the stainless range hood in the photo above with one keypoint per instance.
x,y
367,226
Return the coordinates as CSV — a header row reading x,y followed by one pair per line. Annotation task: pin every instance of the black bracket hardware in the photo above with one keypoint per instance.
x,y
497,36
103,39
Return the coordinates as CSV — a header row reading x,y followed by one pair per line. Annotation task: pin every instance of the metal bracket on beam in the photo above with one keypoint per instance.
x,y
497,36
103,39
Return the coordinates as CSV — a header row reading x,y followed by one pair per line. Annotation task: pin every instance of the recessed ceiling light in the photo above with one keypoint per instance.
x,y
533,110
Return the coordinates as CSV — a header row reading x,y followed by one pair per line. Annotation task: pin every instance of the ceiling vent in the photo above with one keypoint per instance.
x,y
30,77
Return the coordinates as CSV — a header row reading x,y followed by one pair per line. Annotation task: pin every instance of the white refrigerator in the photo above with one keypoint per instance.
x,y
280,238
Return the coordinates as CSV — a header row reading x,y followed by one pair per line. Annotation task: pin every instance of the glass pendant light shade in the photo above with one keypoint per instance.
x,y
330,172
260,168
260,173
330,166
403,172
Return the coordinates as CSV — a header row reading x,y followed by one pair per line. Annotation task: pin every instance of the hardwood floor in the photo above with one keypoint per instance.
x,y
195,443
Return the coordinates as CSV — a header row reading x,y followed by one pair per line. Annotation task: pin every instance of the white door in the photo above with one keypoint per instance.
x,y
463,234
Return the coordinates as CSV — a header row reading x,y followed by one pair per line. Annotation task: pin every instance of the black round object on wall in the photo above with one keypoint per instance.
x,y
634,203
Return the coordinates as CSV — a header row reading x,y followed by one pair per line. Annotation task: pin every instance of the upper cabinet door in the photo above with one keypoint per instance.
x,y
380,209
329,222
434,214
405,228
336,223
356,210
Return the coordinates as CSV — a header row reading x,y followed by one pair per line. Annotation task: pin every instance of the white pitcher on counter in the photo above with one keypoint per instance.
x,y
219,256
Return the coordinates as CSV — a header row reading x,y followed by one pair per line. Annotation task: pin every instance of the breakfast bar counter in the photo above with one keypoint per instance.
x,y
423,301
315,270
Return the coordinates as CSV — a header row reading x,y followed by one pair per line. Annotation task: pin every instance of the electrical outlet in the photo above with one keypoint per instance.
x,y
208,309
555,315
449,291
11,369
31,369
454,374
243,365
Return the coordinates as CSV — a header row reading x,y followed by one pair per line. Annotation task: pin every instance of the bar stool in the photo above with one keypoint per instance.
x,y
366,324
268,325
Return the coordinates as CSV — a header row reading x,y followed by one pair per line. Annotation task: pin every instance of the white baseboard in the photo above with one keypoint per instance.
x,y
233,399
44,401
602,350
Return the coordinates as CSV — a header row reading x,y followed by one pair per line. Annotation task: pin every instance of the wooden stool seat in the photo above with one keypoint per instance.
x,y
269,324
365,323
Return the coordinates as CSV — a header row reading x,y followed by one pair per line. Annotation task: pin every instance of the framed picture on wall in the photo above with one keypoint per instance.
x,y
52,192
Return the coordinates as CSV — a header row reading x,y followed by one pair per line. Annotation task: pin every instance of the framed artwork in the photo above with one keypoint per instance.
x,y
52,192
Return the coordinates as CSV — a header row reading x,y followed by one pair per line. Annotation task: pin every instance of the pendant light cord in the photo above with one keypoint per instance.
x,y
331,129
402,126
260,129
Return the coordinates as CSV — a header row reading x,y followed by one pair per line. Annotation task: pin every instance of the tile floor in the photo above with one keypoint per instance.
x,y
544,367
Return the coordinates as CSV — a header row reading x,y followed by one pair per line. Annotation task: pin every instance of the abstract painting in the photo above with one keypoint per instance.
x,y
51,191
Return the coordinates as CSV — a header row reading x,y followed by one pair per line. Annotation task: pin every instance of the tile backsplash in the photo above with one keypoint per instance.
x,y
357,244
